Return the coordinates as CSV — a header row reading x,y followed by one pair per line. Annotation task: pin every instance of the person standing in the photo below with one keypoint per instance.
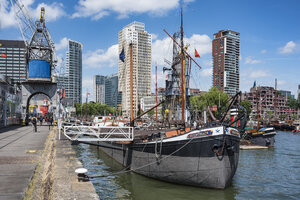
x,y
34,122
41,120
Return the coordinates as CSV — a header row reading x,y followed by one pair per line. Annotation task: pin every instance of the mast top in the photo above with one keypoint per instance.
x,y
181,27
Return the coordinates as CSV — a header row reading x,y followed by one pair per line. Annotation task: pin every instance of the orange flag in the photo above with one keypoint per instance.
x,y
64,93
3,55
197,54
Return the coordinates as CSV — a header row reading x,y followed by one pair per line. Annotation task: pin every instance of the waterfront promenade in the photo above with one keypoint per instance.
x,y
37,165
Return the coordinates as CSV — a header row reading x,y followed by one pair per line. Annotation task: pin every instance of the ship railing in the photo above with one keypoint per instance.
x,y
96,134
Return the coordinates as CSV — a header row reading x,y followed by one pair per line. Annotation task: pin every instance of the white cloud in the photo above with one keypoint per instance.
x,y
162,49
281,83
154,36
250,60
206,72
101,58
7,14
63,44
259,74
87,82
52,12
87,86
97,9
263,51
288,48
161,78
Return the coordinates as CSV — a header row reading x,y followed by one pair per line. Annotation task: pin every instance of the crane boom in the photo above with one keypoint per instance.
x,y
36,36
25,21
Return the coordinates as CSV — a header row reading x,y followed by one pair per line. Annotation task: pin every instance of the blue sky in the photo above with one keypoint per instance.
x,y
269,30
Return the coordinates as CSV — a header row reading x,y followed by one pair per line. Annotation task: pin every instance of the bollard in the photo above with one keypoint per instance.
x,y
81,175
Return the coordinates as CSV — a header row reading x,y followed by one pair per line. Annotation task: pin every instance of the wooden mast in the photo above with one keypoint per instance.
x,y
183,93
131,84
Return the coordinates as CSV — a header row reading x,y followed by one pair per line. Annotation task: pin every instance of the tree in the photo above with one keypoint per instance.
x,y
210,98
293,103
94,109
247,105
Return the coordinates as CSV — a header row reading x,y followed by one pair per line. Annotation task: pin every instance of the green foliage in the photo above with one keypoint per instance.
x,y
150,113
247,105
293,103
295,116
210,98
95,109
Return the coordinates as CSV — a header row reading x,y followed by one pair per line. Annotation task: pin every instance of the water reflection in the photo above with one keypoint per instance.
x,y
261,174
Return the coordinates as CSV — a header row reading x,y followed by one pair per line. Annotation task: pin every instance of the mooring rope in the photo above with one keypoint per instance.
x,y
160,149
154,162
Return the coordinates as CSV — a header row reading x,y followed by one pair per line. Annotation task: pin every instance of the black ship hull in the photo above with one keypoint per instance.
x,y
209,161
262,137
263,140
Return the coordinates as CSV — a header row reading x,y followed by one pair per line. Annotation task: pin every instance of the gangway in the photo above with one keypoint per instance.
x,y
80,133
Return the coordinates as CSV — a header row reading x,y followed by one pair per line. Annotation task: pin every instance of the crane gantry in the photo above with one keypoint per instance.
x,y
40,48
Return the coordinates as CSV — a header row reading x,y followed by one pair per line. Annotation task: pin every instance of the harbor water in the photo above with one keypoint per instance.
x,y
262,174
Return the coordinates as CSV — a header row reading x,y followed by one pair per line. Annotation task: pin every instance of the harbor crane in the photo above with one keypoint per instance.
x,y
40,58
38,41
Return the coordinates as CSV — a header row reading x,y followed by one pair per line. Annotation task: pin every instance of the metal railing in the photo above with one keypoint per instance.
x,y
96,134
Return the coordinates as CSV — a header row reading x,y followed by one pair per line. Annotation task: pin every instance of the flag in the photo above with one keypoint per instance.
x,y
64,93
197,54
3,55
122,55
254,84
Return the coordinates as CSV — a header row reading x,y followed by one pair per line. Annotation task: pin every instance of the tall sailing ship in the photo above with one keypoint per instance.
x,y
179,150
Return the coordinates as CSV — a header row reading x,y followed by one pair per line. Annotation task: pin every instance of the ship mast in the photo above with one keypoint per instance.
x,y
131,84
183,62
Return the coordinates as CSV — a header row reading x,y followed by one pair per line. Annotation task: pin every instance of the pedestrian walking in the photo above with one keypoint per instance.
x,y
41,120
50,121
34,122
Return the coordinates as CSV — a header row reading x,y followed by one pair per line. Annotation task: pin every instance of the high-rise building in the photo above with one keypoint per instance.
x,y
141,41
106,90
112,96
226,53
99,89
13,60
73,80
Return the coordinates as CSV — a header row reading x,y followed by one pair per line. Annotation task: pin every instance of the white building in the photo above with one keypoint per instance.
x,y
73,80
150,101
99,89
141,44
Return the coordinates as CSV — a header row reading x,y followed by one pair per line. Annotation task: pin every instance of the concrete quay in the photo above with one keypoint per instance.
x,y
39,166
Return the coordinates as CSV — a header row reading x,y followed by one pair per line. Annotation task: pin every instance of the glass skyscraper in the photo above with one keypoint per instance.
x,y
73,78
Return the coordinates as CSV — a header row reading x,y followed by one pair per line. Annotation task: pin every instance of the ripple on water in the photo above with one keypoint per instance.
x,y
262,174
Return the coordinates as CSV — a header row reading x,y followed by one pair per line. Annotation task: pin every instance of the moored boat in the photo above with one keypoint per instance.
x,y
206,157
182,152
263,136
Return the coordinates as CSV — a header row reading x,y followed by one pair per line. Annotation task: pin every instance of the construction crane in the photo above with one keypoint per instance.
x,y
40,54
